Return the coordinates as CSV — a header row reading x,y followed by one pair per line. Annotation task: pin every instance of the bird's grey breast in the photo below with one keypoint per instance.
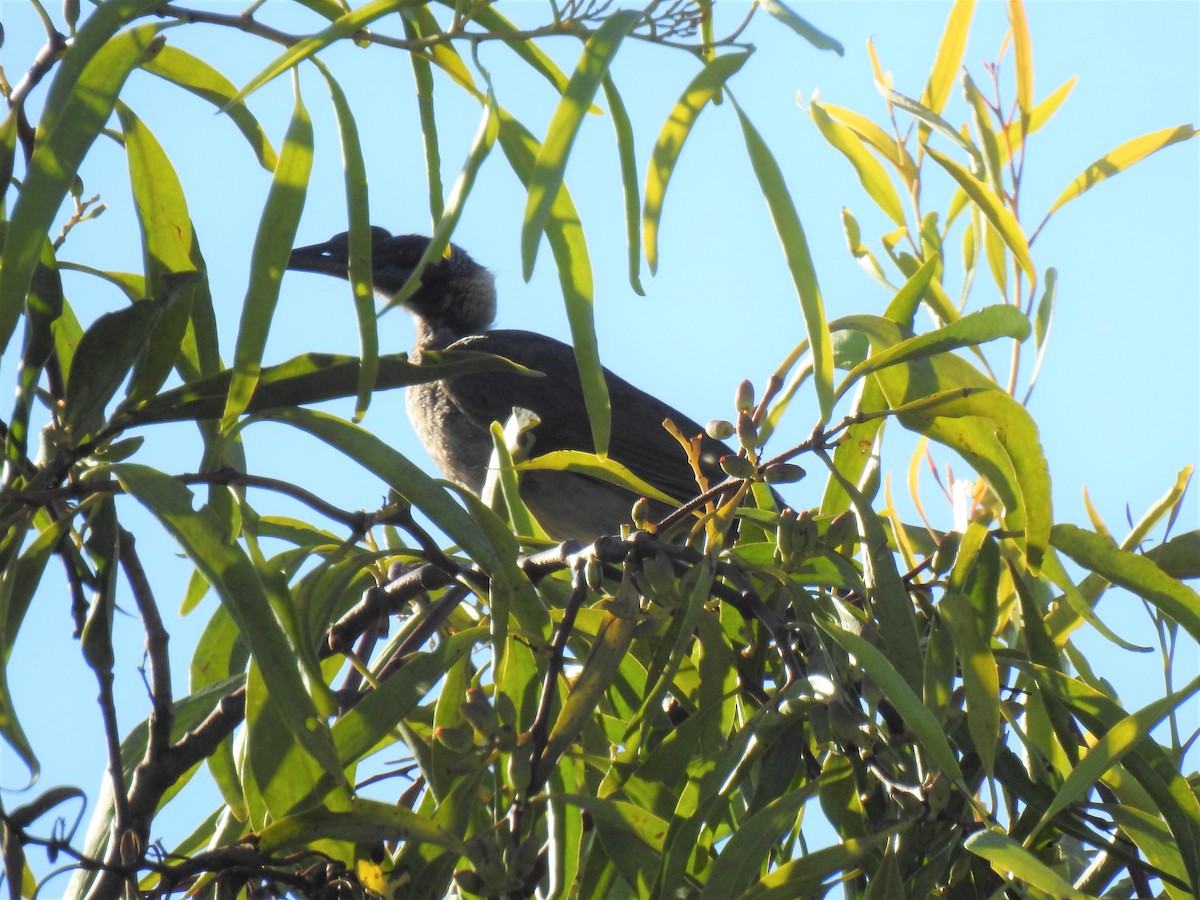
x,y
456,444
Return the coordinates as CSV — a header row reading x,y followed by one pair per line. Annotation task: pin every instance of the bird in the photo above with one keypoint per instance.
x,y
453,309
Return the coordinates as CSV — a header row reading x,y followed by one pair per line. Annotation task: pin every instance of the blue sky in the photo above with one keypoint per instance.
x,y
1118,399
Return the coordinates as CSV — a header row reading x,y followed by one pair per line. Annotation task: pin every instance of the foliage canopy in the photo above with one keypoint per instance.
x,y
681,710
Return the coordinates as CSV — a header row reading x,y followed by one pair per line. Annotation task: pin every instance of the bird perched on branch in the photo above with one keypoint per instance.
x,y
453,309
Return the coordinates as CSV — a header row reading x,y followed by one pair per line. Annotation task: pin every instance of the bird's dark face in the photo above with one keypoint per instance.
x,y
456,292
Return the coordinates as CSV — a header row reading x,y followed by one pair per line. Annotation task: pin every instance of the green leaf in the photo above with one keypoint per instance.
x,y
629,181
1121,159
802,27
481,147
601,468
750,845
272,246
364,821
1155,770
871,174
1042,321
981,678
1119,740
883,143
104,357
998,215
675,130
979,327
231,573
346,25
949,59
1012,861
890,605
312,378
168,247
977,440
1023,53
423,79
917,718
1179,557
358,213
527,49
195,75
927,116
809,875
1131,571
565,233
799,259
1017,433
399,473
547,175
81,99
376,716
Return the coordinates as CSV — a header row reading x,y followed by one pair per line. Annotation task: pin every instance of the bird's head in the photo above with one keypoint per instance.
x,y
457,296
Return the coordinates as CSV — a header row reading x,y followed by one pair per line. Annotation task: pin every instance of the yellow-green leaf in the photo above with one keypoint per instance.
x,y
551,163
1121,159
702,89
871,174
999,215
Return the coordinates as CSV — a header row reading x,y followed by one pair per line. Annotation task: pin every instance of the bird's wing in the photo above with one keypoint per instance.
x,y
639,442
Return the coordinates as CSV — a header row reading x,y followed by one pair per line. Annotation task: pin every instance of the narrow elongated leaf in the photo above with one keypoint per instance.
x,y
1043,318
551,163
949,58
399,473
1016,132
79,104
528,50
105,355
629,181
346,25
1017,433
571,260
601,468
974,439
194,74
920,720
979,327
1131,571
485,139
272,247
1023,52
1155,770
1122,158
367,821
981,679
358,214
886,145
423,79
1011,860
889,600
871,174
227,568
311,378
999,215
598,671
1119,740
799,259
926,115
802,27
671,138
168,243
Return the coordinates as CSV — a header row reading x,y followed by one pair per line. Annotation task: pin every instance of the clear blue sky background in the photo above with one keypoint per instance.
x,y
1118,399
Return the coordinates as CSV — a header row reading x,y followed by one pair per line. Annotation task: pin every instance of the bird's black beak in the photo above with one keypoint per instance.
x,y
330,258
